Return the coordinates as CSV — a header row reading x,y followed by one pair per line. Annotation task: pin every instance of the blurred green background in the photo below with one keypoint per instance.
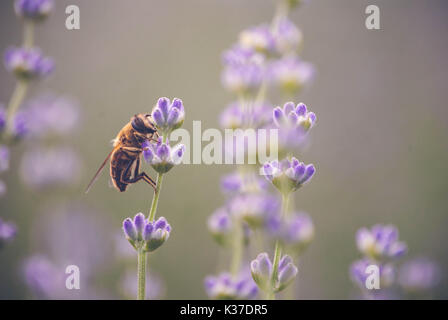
x,y
380,145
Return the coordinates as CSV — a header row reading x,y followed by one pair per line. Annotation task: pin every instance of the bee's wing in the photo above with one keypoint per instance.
x,y
97,174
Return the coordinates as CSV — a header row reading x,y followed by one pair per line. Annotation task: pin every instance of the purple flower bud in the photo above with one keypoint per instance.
x,y
139,223
36,10
27,63
20,125
286,275
359,273
149,228
130,231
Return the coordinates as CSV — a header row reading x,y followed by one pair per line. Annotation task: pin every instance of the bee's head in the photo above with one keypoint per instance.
x,y
142,123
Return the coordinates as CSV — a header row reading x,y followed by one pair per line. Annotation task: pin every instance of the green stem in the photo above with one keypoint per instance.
x,y
28,34
278,249
155,199
237,252
16,99
141,274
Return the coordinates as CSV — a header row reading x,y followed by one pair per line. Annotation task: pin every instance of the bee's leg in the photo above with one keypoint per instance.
x,y
137,176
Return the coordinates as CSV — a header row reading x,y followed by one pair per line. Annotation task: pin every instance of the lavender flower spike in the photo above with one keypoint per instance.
x,y
146,235
36,10
261,269
161,156
7,232
168,115
224,286
27,64
380,243
288,175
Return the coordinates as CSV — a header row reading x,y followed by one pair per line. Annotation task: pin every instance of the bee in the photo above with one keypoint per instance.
x,y
127,151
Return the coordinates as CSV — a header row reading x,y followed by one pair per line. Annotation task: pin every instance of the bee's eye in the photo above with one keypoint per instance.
x,y
138,124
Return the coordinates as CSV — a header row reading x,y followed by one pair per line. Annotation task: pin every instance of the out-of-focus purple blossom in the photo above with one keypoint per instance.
x,y
290,74
20,122
44,278
146,235
3,188
289,174
262,269
258,38
238,182
419,275
244,70
36,10
27,63
155,287
253,208
236,116
380,242
48,167
4,158
226,287
168,115
161,156
8,231
296,231
293,124
2,117
51,114
220,225
294,117
359,275
287,36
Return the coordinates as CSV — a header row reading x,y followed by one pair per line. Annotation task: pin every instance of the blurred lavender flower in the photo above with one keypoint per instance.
x,y
262,268
36,10
168,115
4,158
161,156
27,64
154,290
381,242
258,38
220,225
243,70
290,74
144,234
288,37
419,275
20,125
289,174
238,182
8,231
224,286
2,117
359,275
253,208
51,114
234,116
49,167
293,123
44,278
296,231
